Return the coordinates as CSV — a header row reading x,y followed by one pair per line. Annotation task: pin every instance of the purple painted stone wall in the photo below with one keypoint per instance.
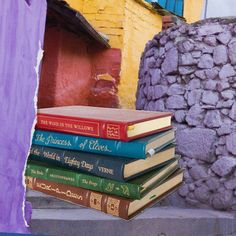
x,y
21,31
191,71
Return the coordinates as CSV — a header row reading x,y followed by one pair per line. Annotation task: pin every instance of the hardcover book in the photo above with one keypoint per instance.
x,y
109,123
117,206
134,189
139,148
120,169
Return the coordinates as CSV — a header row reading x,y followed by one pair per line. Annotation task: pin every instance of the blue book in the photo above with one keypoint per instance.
x,y
139,148
120,169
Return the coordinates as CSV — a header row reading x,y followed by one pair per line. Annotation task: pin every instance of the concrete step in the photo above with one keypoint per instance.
x,y
162,221
54,217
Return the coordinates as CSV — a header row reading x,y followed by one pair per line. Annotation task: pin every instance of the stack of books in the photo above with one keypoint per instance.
x,y
113,160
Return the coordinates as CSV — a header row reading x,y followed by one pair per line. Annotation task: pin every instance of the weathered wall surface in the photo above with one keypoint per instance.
x,y
106,77
71,68
22,26
107,16
67,70
140,25
191,71
129,25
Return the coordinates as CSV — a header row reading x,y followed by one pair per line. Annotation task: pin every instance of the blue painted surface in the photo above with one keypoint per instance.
x,y
175,6
179,9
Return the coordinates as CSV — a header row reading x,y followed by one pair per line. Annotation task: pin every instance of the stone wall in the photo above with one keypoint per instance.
x,y
191,71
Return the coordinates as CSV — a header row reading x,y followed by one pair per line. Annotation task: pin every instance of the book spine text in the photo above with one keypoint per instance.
x,y
106,203
85,162
84,181
102,129
90,144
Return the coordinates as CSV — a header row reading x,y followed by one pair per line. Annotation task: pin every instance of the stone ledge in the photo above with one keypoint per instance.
x,y
162,221
55,217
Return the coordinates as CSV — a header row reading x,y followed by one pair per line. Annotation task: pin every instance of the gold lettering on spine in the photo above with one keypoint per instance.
x,y
113,206
113,131
68,193
29,181
125,190
35,151
87,127
57,141
110,187
41,121
96,201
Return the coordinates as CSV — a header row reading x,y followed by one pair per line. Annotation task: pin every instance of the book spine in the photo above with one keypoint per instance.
x,y
42,172
90,144
121,189
85,162
116,131
115,206
87,127
84,181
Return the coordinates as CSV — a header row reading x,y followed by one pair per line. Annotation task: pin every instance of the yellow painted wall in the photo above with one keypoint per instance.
x,y
76,4
129,25
107,16
193,10
140,25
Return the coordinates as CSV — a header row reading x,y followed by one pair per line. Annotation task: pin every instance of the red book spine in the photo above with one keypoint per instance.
x,y
86,127
112,205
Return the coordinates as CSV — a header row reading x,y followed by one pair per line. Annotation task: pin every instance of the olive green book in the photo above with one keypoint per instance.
x,y
133,189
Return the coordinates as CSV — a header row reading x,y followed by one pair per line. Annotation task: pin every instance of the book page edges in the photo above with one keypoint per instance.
x,y
158,192
148,126
145,164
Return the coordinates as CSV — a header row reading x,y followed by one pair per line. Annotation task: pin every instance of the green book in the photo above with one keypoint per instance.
x,y
133,189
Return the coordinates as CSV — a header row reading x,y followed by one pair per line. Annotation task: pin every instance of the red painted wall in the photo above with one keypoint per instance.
x,y
49,68
71,66
106,77
107,61
67,70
